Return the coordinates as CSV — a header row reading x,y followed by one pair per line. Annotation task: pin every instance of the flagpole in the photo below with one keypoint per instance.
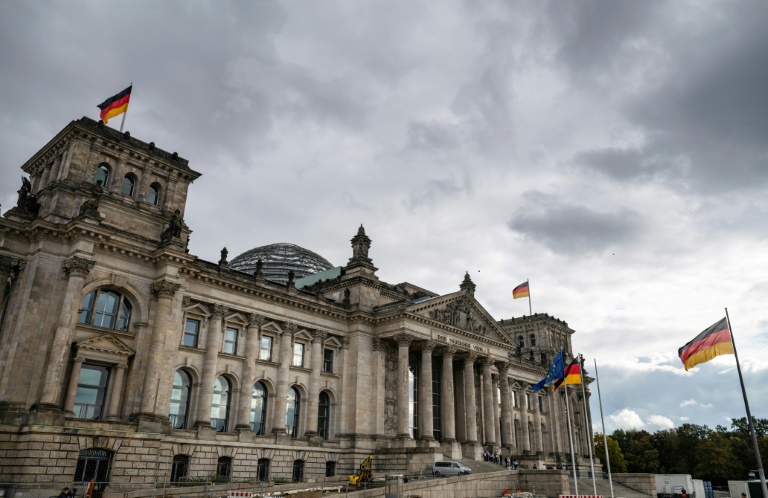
x,y
122,124
605,438
530,310
760,471
587,425
570,437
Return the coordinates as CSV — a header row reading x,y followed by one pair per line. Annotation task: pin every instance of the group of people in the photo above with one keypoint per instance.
x,y
68,493
499,460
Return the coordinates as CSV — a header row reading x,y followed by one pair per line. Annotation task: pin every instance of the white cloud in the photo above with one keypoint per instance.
x,y
627,419
660,422
688,402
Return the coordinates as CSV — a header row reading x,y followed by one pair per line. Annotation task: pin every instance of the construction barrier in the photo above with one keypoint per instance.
x,y
240,494
580,496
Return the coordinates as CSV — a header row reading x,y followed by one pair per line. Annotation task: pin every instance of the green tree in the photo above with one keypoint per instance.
x,y
618,463
720,462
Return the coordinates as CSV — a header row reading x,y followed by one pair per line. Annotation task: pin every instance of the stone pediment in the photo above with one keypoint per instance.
x,y
105,344
462,312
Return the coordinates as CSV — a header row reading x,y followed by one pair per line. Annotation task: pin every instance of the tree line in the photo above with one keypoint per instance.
x,y
711,455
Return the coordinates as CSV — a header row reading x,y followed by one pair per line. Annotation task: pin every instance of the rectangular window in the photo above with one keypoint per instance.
x,y
191,333
328,360
265,353
527,401
91,392
298,355
230,340
514,399
541,404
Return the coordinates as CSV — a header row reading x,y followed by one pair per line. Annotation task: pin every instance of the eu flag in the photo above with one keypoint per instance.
x,y
556,371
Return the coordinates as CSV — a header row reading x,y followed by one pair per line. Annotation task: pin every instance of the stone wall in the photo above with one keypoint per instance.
x,y
644,483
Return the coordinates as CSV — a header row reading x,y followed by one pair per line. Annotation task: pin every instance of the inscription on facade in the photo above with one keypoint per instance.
x,y
460,343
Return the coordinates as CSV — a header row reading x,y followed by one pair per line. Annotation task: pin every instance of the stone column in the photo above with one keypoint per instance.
x,y
76,269
496,414
342,371
117,391
281,402
316,360
208,378
403,344
447,403
488,408
426,423
246,385
74,379
537,436
524,422
506,410
554,422
469,397
163,291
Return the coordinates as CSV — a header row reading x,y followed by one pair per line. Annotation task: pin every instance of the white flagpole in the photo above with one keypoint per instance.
x,y
586,423
530,309
122,124
605,438
570,437
760,470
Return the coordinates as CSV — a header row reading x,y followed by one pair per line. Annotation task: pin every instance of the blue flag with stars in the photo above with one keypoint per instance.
x,y
556,371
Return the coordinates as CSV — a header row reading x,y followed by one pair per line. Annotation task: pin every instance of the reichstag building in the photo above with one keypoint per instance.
x,y
124,357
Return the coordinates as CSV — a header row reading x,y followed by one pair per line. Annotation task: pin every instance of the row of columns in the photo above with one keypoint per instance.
x,y
497,427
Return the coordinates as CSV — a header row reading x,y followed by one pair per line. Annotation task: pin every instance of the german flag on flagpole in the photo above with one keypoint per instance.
x,y
115,105
572,375
714,341
521,291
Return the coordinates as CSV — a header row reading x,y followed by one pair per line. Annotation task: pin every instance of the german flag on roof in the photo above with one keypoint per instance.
x,y
714,341
115,105
521,291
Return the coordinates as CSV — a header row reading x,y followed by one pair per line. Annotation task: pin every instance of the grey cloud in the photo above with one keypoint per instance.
x,y
573,229
434,191
433,135
630,164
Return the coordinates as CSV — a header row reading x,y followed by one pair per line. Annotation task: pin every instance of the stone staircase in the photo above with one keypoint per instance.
x,y
604,488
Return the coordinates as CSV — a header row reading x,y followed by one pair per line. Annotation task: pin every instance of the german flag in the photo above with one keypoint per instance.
x,y
115,105
520,291
714,341
572,374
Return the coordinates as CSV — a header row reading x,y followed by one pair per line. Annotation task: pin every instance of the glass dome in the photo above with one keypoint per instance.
x,y
279,259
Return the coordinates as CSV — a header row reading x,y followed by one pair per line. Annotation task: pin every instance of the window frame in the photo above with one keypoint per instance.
x,y
299,351
230,339
131,178
221,424
252,419
105,171
324,419
328,364
271,339
93,308
102,391
293,429
196,335
156,189
186,395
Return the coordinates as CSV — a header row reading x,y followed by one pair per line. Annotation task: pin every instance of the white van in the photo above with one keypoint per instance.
x,y
448,469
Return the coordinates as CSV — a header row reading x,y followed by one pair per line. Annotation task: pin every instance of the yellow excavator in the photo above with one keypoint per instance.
x,y
363,474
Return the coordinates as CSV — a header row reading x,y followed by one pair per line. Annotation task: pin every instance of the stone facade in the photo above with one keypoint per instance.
x,y
123,356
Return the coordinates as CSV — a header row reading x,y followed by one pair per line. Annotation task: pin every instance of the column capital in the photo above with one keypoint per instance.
x,y
256,320
218,311
470,356
487,362
186,302
122,365
78,359
78,267
404,339
378,344
344,342
290,328
319,336
428,346
448,351
165,288
503,367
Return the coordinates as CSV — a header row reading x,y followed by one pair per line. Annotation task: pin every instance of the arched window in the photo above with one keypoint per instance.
x,y
259,408
323,415
292,413
220,405
520,342
180,469
533,340
129,184
153,195
298,471
106,309
224,467
262,469
102,175
182,386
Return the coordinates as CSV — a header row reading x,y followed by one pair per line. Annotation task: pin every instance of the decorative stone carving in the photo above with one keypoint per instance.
x,y
345,302
223,260
361,243
258,274
345,343
175,224
219,310
291,277
404,339
448,351
10,267
503,368
378,344
390,391
165,288
27,202
290,328
460,314
467,285
78,267
319,335
256,319
428,346
90,208
186,302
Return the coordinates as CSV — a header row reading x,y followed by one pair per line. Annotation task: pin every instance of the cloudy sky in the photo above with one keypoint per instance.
x,y
613,152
